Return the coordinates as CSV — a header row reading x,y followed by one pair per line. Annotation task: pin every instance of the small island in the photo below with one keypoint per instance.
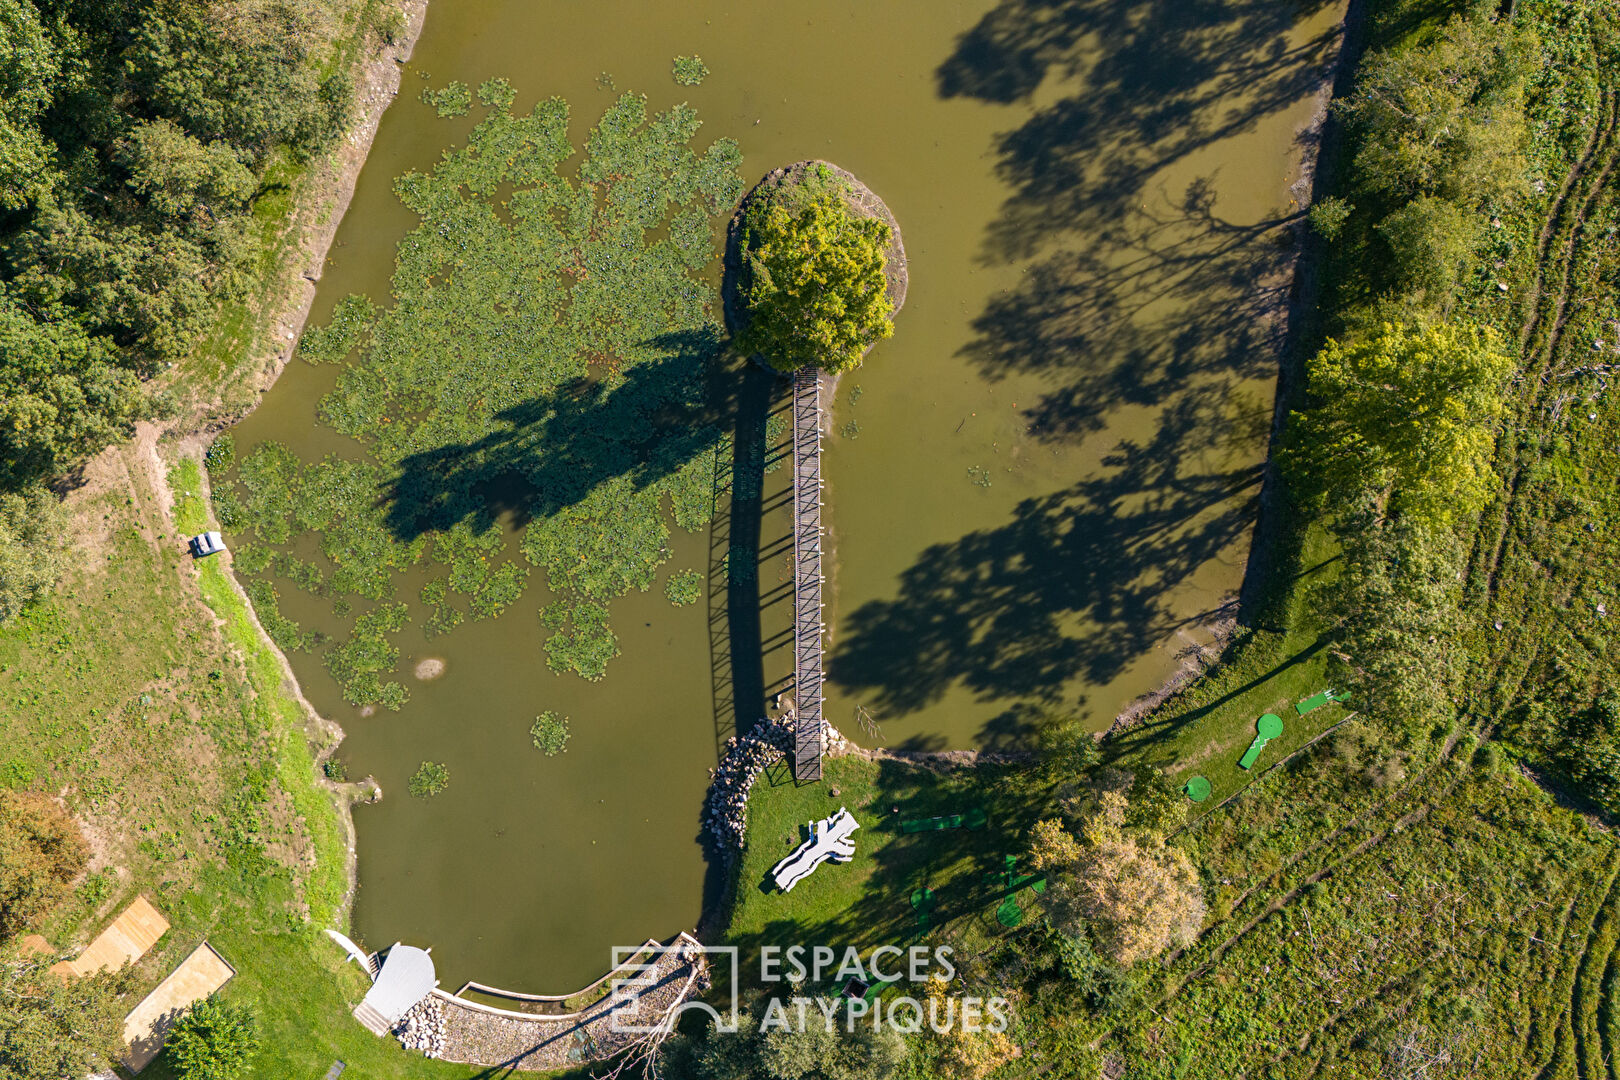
x,y
815,270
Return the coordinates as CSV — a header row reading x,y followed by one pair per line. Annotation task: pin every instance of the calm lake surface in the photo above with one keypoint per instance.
x,y
1041,489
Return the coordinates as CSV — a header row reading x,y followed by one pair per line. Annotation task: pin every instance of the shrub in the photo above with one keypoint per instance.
x,y
41,850
213,1041
550,733
430,778
30,548
814,285
1329,215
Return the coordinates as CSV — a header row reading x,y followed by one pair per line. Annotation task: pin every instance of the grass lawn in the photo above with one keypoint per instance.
x,y
867,901
1205,729
175,744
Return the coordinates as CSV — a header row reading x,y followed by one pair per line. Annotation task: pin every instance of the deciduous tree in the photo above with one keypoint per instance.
x,y
52,1027
41,850
815,290
1409,413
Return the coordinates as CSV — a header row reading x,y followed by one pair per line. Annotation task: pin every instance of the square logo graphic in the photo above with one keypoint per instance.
x,y
646,973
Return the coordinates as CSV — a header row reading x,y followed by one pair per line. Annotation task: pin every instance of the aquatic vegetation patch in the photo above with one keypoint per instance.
x,y
454,100
684,587
690,70
550,733
547,353
429,779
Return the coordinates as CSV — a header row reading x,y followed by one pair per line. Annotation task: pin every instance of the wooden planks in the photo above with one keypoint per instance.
x,y
129,937
198,975
807,575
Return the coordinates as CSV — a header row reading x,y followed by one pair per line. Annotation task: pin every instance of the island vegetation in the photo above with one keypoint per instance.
x,y
812,283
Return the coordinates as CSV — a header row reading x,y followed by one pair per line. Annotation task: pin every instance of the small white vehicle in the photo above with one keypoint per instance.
x,y
206,544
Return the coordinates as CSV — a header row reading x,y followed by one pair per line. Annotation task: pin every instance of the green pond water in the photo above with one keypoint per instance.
x,y
1041,489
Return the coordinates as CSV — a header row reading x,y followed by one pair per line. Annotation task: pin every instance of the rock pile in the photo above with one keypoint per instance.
x,y
423,1028
725,810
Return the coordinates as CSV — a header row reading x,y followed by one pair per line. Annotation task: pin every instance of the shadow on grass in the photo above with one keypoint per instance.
x,y
867,902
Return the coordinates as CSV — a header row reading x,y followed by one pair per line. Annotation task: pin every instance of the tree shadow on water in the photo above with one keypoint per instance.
x,y
1080,582
1143,85
1140,292
563,444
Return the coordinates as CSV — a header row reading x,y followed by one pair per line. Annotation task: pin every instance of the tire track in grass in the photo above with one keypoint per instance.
x,y
1607,1041
1600,148
1590,1046
1568,1036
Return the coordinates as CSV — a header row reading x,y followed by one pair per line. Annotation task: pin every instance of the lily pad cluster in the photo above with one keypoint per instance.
x,y
546,354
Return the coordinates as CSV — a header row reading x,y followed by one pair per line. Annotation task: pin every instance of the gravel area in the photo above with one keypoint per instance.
x,y
481,1036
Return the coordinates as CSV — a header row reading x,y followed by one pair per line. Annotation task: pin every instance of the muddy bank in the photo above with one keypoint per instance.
x,y
310,228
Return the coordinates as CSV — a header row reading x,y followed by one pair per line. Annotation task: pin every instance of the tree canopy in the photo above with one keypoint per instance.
x,y
1131,891
52,1027
814,288
41,850
134,135
1409,413
214,1040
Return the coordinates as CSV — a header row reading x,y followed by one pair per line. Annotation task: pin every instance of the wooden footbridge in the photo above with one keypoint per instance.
x,y
807,576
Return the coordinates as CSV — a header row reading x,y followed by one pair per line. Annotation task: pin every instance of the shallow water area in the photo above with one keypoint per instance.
x,y
1040,490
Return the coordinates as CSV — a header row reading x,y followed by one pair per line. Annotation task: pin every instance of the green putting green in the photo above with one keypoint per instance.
x,y
1197,789
1269,727
1315,701
1009,914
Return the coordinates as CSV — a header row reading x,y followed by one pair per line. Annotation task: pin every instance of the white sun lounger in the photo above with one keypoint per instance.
x,y
831,838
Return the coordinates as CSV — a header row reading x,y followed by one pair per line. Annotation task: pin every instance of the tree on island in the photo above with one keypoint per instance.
x,y
815,290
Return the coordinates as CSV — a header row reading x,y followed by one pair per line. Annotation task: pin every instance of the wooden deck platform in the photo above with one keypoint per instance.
x,y
129,937
807,575
198,975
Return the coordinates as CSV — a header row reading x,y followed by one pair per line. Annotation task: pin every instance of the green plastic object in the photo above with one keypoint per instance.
x,y
923,899
1009,914
973,819
1315,701
1269,727
1197,789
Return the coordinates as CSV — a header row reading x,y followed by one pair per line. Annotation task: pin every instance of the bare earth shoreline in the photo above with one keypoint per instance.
x,y
318,210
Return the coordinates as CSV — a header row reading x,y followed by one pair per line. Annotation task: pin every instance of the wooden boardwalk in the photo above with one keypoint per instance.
x,y
807,576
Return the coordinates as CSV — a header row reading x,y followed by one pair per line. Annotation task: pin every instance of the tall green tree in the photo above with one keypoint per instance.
x,y
1445,117
1408,414
815,290
28,64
